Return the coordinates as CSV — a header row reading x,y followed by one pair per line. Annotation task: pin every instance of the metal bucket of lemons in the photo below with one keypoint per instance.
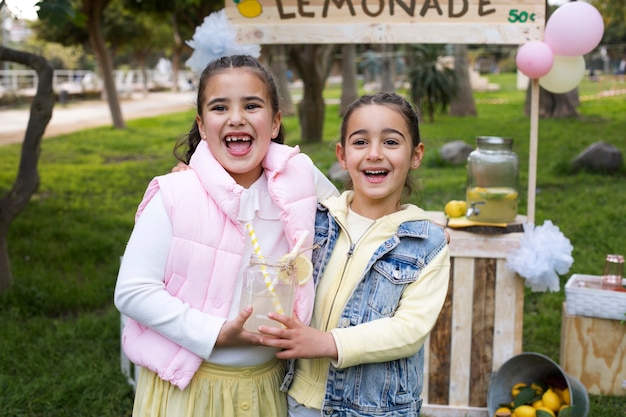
x,y
531,384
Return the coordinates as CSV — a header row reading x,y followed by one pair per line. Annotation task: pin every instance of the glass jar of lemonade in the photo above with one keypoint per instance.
x,y
268,285
492,176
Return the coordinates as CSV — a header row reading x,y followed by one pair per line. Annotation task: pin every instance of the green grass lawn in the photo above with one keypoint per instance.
x,y
59,334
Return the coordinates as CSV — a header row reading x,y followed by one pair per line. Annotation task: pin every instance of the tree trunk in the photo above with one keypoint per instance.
x,y
177,52
93,10
431,112
313,63
386,73
27,180
349,87
556,106
463,103
278,62
145,87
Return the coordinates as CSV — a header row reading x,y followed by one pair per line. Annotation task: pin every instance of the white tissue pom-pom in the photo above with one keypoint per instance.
x,y
215,38
543,255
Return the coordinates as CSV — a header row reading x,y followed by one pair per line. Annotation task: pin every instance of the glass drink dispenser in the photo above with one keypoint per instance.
x,y
492,177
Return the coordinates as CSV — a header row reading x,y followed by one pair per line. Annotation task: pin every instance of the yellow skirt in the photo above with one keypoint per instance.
x,y
215,390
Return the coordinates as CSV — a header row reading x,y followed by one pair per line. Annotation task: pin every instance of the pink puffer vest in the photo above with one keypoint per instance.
x,y
207,247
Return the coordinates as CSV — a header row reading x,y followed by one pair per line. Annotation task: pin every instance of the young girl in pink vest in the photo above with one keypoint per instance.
x,y
181,275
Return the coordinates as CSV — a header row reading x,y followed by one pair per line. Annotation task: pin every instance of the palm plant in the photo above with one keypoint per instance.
x,y
432,84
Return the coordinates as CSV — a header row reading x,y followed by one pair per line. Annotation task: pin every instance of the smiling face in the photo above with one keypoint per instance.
x,y
378,153
237,122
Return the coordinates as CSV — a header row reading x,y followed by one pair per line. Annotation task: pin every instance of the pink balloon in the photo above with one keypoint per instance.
x,y
575,28
534,59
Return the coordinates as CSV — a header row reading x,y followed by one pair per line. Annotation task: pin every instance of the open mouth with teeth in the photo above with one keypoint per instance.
x,y
376,175
238,144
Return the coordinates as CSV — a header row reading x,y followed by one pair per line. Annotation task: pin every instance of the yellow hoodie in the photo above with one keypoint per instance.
x,y
381,340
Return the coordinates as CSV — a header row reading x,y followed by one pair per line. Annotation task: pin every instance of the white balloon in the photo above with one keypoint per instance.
x,y
565,74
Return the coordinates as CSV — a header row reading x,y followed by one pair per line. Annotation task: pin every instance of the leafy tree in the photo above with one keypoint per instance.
x,y
27,179
183,16
56,13
137,27
614,15
431,83
140,35
84,21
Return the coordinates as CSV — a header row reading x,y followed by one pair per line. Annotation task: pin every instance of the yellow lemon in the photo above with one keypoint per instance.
x,y
301,267
566,396
498,193
563,407
502,412
250,8
538,404
547,410
525,411
538,388
516,388
476,193
551,400
455,208
511,195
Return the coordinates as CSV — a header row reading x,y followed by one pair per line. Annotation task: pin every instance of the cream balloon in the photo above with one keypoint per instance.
x,y
565,74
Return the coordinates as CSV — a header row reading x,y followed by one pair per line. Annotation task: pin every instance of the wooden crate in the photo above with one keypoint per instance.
x,y
593,350
479,328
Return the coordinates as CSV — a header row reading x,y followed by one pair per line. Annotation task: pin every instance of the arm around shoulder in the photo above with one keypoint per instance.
x,y
324,187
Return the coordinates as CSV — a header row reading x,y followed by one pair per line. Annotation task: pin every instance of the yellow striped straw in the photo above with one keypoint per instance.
x,y
268,281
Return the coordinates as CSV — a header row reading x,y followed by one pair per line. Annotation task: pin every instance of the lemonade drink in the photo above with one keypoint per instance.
x,y
267,289
495,204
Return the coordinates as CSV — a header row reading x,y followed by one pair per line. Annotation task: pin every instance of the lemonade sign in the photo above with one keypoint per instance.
x,y
386,21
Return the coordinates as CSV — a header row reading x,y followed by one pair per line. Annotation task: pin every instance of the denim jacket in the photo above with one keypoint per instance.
x,y
390,388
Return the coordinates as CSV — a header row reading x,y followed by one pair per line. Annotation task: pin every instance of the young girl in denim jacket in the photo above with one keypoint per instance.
x,y
181,275
382,273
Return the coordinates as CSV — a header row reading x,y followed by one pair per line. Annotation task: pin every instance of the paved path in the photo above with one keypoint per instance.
x,y
81,115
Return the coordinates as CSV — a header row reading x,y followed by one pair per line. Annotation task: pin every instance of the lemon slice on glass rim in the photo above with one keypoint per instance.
x,y
300,266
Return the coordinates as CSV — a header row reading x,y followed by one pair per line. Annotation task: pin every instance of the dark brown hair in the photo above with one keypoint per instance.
x,y
187,144
404,109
